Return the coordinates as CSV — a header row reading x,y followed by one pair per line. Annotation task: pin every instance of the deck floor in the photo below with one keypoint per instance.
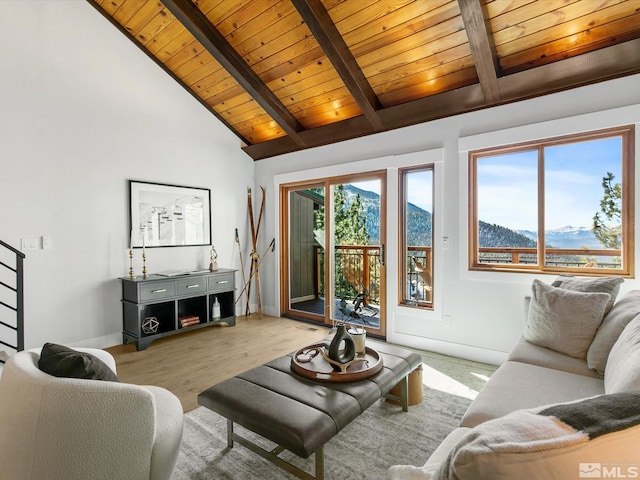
x,y
368,316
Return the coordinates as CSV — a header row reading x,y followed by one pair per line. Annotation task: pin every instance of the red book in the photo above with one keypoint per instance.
x,y
188,320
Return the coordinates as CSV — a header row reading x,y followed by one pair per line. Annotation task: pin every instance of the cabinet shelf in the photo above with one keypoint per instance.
x,y
157,306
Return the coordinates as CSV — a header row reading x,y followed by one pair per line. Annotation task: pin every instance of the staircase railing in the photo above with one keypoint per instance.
x,y
11,269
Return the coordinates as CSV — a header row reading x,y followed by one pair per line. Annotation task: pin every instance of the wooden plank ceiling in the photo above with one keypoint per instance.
x,y
286,75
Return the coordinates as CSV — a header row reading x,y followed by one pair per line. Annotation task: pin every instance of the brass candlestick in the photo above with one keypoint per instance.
x,y
131,275
144,264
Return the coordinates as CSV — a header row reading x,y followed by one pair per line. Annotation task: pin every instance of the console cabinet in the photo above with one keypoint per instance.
x,y
157,306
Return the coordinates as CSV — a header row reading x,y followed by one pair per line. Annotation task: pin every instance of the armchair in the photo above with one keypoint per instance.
x,y
69,428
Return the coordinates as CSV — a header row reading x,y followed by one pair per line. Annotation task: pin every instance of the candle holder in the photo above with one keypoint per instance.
x,y
144,264
131,275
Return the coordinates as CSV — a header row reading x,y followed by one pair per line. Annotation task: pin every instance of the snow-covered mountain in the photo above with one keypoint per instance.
x,y
567,237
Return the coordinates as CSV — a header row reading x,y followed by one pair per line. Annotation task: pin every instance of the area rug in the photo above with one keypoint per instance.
x,y
382,436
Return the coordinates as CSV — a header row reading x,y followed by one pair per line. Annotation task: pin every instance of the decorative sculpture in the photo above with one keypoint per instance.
x,y
342,348
213,260
150,325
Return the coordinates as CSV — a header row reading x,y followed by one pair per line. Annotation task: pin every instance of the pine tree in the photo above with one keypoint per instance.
x,y
608,230
349,221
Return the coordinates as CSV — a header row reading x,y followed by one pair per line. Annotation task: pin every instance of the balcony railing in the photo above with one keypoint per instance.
x,y
583,257
358,267
358,270
420,275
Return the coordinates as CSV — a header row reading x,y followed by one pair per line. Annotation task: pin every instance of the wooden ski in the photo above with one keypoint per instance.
x,y
253,243
254,273
272,248
244,277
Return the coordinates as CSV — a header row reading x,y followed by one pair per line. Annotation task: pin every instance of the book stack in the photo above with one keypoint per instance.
x,y
188,320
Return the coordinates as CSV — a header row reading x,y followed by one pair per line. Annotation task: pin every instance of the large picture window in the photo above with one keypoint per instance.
x,y
561,205
416,228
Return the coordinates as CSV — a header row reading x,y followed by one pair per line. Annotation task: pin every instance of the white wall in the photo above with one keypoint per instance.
x,y
82,111
477,315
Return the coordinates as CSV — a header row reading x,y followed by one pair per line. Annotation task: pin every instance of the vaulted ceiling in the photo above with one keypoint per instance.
x,y
285,75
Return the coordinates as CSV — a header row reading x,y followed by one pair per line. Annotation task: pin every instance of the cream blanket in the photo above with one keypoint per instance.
x,y
528,432
522,431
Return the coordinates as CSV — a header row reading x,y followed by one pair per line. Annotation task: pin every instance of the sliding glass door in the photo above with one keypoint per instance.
x,y
333,251
304,275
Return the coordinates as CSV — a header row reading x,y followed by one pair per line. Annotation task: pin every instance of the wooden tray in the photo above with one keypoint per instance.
x,y
311,363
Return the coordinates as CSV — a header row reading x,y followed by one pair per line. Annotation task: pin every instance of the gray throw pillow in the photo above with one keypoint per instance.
x,y
564,320
61,361
623,311
610,285
622,373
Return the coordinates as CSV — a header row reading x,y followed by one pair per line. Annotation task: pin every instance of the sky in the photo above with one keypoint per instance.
x,y
419,191
368,186
507,185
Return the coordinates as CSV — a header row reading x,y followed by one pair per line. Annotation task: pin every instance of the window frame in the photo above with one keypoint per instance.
x,y
627,134
402,237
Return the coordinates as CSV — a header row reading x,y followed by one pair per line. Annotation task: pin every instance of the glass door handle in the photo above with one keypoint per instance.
x,y
382,254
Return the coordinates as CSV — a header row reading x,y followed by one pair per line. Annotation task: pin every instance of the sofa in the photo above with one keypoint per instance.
x,y
75,420
565,404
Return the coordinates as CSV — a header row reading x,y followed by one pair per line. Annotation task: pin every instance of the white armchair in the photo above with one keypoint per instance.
x,y
68,428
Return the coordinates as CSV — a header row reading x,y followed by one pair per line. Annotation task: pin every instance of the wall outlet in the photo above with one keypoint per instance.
x,y
47,243
445,243
446,320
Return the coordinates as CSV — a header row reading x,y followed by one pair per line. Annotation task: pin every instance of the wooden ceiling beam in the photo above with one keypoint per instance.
x,y
324,30
593,67
597,66
482,47
205,32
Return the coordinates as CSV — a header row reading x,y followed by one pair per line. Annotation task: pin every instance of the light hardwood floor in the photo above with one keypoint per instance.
x,y
189,363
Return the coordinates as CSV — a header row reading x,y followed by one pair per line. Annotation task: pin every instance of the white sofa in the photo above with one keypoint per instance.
x,y
522,423
73,428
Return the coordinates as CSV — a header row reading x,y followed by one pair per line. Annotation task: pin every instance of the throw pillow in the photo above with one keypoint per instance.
x,y
564,320
610,285
61,361
623,311
622,373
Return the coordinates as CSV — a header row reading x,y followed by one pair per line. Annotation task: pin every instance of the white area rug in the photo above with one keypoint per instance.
x,y
382,436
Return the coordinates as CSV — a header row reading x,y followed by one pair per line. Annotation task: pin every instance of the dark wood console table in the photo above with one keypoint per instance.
x,y
159,305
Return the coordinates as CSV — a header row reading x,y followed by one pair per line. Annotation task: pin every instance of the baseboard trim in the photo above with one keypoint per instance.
x,y
99,342
469,352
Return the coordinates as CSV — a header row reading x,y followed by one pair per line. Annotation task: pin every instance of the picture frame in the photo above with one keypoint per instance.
x,y
163,215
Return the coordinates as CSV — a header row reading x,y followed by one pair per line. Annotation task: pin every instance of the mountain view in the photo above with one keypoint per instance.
x,y
420,220
567,237
491,235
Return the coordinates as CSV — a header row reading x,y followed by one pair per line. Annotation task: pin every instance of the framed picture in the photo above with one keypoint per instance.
x,y
168,215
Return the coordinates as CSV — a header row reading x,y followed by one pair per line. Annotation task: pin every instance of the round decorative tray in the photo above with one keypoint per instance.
x,y
312,362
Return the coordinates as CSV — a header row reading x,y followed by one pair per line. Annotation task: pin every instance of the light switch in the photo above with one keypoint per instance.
x,y
30,243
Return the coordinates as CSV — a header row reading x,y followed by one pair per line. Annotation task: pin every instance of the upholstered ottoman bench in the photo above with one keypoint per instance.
x,y
298,414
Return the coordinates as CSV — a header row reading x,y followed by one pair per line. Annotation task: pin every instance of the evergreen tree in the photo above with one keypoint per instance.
x,y
349,220
608,230
350,228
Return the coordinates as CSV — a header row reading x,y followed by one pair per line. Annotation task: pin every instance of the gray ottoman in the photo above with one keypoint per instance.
x,y
299,414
